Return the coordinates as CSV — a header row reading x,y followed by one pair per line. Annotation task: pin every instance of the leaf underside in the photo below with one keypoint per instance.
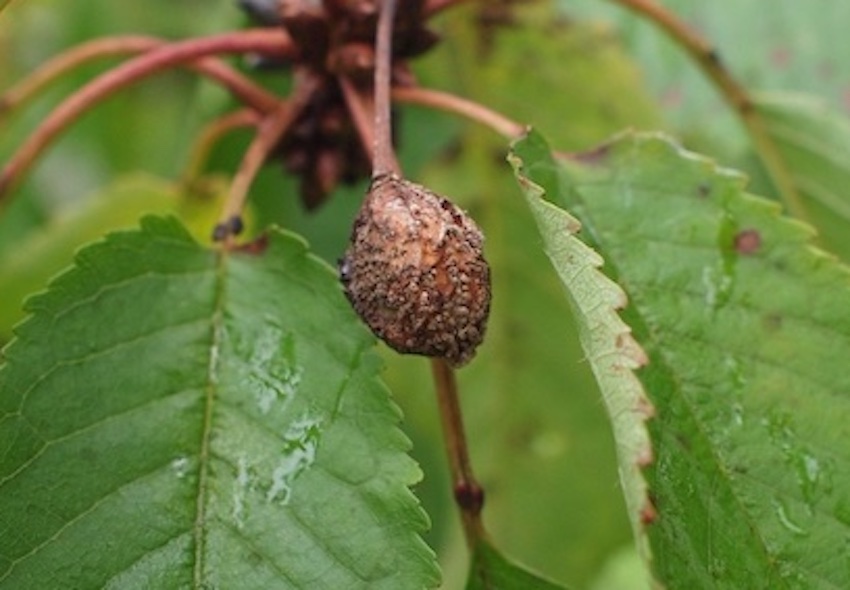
x,y
747,328
175,417
611,351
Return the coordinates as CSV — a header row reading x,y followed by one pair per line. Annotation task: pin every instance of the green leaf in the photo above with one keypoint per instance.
x,y
491,571
793,48
26,266
814,141
172,416
612,352
748,331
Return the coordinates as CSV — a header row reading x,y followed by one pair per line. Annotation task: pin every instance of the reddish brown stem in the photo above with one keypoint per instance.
x,y
460,106
271,131
212,134
263,40
385,159
362,112
75,57
468,493
69,60
708,59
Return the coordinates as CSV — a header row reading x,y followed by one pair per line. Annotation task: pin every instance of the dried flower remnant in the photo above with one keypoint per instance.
x,y
415,271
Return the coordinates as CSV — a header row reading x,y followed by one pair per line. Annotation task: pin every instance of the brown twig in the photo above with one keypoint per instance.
x,y
52,70
69,60
708,59
460,106
385,160
270,132
212,134
467,492
362,111
263,40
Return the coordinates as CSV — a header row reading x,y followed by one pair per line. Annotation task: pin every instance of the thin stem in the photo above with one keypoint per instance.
x,y
362,112
107,47
212,134
263,40
468,493
385,160
71,59
460,106
270,132
708,59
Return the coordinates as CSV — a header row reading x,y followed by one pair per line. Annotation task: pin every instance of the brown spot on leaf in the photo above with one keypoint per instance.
x,y
703,190
648,514
747,241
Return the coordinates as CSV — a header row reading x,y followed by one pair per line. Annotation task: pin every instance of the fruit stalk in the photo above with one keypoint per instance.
x,y
385,160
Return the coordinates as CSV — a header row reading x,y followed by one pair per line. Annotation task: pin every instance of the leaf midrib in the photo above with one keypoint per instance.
x,y
217,328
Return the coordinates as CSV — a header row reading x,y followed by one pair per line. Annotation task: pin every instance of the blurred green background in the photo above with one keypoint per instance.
x,y
580,70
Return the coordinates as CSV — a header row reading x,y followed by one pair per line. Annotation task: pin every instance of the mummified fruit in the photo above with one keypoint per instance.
x,y
415,271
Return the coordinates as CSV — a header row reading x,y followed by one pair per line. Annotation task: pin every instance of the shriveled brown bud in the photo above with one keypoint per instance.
x,y
415,271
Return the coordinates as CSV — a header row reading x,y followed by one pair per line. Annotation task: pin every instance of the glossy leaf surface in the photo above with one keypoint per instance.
x,y
747,330
175,417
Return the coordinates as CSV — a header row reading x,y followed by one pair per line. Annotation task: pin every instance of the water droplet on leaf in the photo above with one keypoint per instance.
x,y
785,519
301,441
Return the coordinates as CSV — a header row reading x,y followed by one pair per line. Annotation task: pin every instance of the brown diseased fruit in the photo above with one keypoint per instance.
x,y
415,271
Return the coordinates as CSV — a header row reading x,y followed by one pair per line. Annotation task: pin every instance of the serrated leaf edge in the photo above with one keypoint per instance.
x,y
607,340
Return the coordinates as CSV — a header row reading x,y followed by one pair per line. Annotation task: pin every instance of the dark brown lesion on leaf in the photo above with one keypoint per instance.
x,y
648,513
